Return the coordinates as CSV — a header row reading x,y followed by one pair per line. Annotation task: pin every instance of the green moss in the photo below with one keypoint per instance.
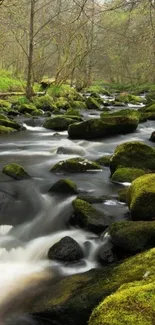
x,y
62,91
99,89
72,111
75,165
16,171
98,128
62,103
123,112
134,155
129,98
78,104
141,198
122,194
126,174
5,130
9,123
64,186
37,112
4,104
86,216
10,83
58,123
46,103
75,296
93,103
105,160
132,306
26,108
133,237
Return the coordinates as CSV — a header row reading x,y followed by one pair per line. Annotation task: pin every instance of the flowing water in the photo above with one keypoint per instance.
x,y
32,220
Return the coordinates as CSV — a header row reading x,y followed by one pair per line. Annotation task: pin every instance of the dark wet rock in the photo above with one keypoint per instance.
x,y
92,199
15,171
66,250
65,187
34,122
71,150
87,217
75,165
105,254
141,198
133,154
133,237
152,137
58,123
100,128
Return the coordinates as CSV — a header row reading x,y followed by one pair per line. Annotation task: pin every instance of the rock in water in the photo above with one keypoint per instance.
x,y
75,165
65,187
66,250
15,171
152,137
141,198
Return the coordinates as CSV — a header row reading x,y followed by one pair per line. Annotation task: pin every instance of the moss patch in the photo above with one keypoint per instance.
x,y
75,165
15,171
65,187
133,154
141,198
126,174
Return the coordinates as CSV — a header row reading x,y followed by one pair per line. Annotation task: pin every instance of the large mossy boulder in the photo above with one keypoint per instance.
x,y
66,250
133,154
63,103
77,105
15,171
132,304
71,300
141,198
25,108
93,103
65,187
45,103
87,217
124,174
99,128
129,98
75,165
132,237
58,123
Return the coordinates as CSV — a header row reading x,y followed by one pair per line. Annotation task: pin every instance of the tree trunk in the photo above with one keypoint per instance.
x,y
29,87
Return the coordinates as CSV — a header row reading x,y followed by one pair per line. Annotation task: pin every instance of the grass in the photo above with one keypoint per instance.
x,y
9,83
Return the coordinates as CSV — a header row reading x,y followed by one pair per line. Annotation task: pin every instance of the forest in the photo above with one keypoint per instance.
x,y
77,162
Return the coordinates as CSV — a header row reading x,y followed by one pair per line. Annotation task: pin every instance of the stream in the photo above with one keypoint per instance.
x,y
43,217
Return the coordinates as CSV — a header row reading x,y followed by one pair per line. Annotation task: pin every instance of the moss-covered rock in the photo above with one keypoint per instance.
x,y
86,216
72,299
46,103
63,103
73,112
26,108
122,194
75,165
99,128
129,98
133,237
105,160
66,250
58,123
4,104
65,187
77,104
6,130
124,174
141,198
16,171
4,121
93,103
133,154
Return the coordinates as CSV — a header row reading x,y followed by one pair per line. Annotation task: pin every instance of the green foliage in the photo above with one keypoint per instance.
x,y
61,91
45,102
9,83
4,104
5,130
73,112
